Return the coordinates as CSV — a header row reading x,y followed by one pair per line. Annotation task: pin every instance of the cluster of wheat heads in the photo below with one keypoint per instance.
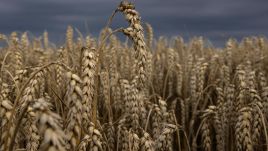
x,y
144,94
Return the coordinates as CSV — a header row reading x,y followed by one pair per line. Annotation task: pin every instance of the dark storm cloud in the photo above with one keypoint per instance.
x,y
215,19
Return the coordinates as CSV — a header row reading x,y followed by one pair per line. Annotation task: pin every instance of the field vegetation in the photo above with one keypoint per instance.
x,y
139,94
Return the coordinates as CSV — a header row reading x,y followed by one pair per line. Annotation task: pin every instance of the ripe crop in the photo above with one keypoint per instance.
x,y
144,94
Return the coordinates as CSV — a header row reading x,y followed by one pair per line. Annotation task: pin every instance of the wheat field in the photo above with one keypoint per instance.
x,y
139,94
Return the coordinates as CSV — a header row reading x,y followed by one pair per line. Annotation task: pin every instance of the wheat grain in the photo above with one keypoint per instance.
x,y
74,100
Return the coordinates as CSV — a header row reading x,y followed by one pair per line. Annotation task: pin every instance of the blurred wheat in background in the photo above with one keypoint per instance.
x,y
142,94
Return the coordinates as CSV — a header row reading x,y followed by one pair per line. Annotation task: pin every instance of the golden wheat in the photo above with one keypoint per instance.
x,y
146,94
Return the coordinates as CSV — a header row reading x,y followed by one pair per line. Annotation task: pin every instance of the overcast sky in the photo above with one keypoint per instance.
x,y
216,20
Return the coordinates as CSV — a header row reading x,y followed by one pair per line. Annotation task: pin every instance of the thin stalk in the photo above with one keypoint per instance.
x,y
100,50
